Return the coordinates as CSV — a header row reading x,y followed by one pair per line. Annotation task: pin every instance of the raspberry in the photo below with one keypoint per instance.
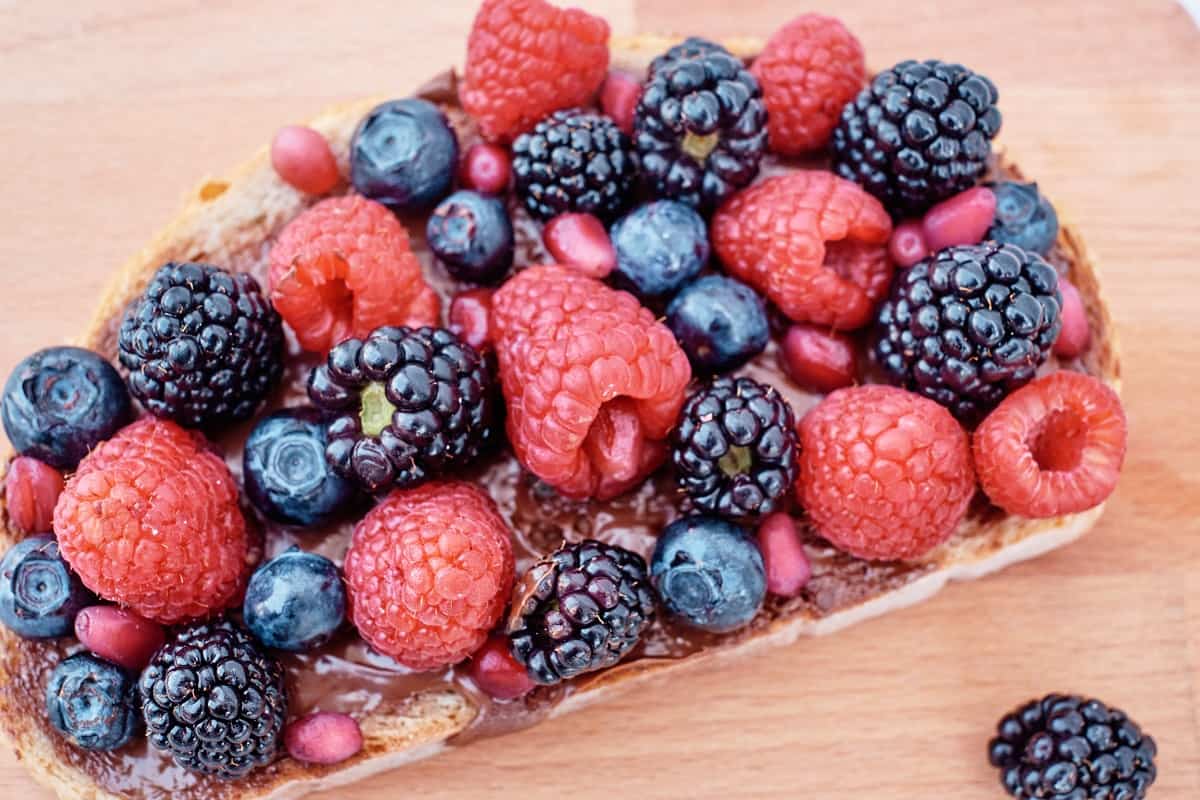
x,y
1053,447
884,473
814,243
809,70
594,384
526,59
343,268
428,573
30,492
151,521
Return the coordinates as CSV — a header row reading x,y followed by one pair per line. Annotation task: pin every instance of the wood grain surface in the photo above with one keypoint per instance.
x,y
110,111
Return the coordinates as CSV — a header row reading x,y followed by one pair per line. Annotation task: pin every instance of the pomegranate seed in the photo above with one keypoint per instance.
x,y
469,314
619,98
485,168
580,241
1075,335
31,492
119,636
907,245
303,159
818,359
962,219
323,737
497,673
787,564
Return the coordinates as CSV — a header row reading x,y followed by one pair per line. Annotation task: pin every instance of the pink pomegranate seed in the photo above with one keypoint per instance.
x,y
323,737
818,359
303,159
485,168
469,314
619,98
580,241
783,555
962,219
497,673
907,245
1075,335
30,493
119,636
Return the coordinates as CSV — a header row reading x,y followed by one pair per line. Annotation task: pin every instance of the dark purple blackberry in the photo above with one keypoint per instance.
x,y
734,449
969,324
700,129
203,347
919,133
579,609
214,701
1068,748
574,161
409,405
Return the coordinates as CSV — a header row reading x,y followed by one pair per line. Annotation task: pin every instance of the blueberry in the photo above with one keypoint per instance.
x,y
473,236
61,402
92,702
1024,217
720,323
709,573
39,594
295,601
404,154
286,474
660,247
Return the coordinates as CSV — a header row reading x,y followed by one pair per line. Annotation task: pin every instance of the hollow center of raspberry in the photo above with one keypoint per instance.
x,y
700,146
338,301
1058,445
377,410
614,442
737,461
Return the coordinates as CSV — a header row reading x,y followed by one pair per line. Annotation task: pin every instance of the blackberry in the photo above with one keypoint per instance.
x,y
581,608
700,129
214,701
203,347
919,133
408,405
969,324
1068,748
574,161
734,449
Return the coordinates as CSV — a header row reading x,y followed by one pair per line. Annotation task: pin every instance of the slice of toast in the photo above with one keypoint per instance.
x,y
228,221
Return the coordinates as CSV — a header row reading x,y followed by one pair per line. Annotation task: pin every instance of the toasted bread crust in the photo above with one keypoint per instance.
x,y
234,215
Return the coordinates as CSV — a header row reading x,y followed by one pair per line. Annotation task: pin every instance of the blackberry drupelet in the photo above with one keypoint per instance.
x,y
1068,748
921,132
579,609
734,449
574,161
408,405
203,347
969,324
214,701
700,129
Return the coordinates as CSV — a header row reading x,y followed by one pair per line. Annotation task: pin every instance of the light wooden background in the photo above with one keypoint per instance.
x,y
109,111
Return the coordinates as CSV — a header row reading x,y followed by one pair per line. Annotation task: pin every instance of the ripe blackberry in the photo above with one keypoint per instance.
x,y
203,347
1069,748
214,701
735,448
921,132
700,129
574,161
581,608
408,405
969,324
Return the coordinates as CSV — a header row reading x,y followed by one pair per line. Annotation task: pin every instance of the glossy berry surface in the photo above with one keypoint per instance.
x,y
581,242
486,168
404,154
660,246
1024,217
323,737
93,703
472,236
469,317
619,99
118,635
497,673
302,157
784,559
285,471
818,359
907,245
709,574
61,402
961,219
720,323
39,594
295,601
1076,334
31,490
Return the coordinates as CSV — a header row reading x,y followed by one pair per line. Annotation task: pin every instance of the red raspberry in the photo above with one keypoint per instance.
x,y
809,70
884,473
303,159
343,268
594,383
150,520
1055,446
527,58
814,243
30,492
428,573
